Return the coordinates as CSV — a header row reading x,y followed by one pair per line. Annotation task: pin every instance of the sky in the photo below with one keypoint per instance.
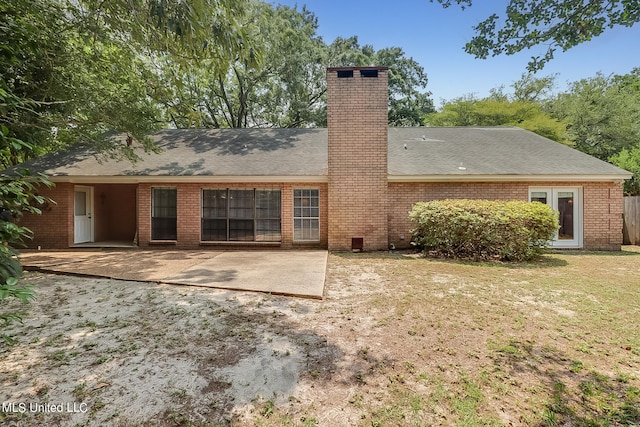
x,y
435,38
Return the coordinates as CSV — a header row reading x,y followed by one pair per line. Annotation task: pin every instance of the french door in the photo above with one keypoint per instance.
x,y
567,201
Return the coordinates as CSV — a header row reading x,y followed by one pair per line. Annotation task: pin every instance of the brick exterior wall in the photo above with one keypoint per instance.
x,y
115,216
357,132
602,206
54,228
602,211
189,211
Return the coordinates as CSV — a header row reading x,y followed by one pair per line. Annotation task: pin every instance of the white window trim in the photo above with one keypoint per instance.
x,y
552,191
294,217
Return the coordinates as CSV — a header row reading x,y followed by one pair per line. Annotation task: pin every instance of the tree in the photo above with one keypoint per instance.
x,y
629,82
603,113
288,88
526,108
17,195
457,112
629,159
558,24
533,89
489,112
85,67
71,70
31,69
280,91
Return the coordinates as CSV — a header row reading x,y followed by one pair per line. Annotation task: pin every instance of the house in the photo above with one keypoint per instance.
x,y
349,186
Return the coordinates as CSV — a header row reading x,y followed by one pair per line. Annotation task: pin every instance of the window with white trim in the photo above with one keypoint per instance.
x,y
241,215
306,215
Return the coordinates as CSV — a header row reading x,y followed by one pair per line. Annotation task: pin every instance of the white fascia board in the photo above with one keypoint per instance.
x,y
186,179
507,178
324,178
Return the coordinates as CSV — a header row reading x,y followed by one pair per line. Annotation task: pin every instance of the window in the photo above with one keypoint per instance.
x,y
241,218
163,214
306,215
214,215
80,203
241,215
268,206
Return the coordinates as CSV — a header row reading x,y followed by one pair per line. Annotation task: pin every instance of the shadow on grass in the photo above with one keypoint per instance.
x,y
574,252
576,396
545,261
407,255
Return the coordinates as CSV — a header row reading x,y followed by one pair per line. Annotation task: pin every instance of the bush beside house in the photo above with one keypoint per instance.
x,y
483,230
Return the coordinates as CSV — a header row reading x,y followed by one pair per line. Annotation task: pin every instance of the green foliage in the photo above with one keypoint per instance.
x,y
30,56
483,230
529,115
188,31
533,88
288,88
281,91
18,194
72,70
603,113
555,24
629,159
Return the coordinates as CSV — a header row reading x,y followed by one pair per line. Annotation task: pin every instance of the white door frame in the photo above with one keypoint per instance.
x,y
552,200
83,225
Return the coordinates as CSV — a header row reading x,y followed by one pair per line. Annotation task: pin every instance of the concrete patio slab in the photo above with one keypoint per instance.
x,y
300,273
295,273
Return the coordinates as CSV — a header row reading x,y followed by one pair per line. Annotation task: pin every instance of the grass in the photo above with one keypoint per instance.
x,y
542,343
399,340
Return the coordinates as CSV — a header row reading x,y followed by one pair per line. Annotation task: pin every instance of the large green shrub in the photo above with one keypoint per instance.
x,y
483,229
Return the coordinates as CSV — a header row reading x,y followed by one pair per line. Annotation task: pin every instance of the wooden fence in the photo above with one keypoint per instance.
x,y
631,229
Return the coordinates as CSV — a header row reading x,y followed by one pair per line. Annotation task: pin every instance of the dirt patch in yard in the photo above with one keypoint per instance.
x,y
398,340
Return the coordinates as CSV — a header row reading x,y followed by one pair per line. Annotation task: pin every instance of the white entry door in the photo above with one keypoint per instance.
x,y
83,215
567,201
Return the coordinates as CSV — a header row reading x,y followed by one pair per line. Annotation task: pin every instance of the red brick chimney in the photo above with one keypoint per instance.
x,y
357,111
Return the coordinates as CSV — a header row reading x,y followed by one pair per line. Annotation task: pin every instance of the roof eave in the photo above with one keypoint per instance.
x,y
135,179
505,178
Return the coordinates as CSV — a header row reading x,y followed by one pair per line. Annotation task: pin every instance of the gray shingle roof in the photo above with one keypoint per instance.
x,y
430,152
210,152
486,151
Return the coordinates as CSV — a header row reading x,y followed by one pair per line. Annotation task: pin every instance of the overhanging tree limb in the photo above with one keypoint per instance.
x,y
556,24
